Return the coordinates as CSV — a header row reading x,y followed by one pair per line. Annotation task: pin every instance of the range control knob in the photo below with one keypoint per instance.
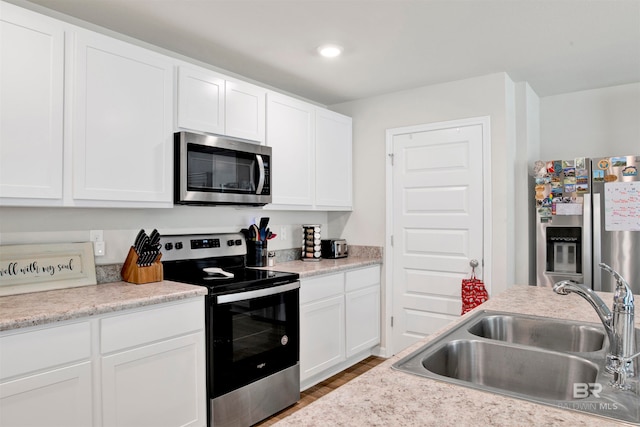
x,y
178,245
230,243
168,246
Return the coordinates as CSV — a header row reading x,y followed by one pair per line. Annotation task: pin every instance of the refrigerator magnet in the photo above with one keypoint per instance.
x,y
603,164
557,166
550,168
571,188
619,162
569,172
630,171
580,163
598,175
582,188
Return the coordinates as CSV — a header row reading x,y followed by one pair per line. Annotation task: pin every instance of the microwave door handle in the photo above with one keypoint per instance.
x,y
262,175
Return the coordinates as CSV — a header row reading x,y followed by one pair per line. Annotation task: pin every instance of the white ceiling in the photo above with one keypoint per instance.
x,y
557,46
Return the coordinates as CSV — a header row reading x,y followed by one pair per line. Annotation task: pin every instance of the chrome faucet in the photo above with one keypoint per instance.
x,y
618,323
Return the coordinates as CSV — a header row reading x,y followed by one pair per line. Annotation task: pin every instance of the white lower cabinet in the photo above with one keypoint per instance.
x,y
155,385
139,367
60,397
322,335
339,322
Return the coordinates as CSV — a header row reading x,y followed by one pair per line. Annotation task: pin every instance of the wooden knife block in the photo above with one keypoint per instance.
x,y
133,273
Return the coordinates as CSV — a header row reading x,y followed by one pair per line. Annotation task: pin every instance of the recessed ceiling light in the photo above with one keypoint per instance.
x,y
330,50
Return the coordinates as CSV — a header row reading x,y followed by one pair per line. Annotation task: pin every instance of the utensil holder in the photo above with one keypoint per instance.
x,y
131,272
256,253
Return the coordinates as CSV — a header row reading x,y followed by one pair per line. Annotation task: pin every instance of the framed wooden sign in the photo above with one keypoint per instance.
x,y
34,268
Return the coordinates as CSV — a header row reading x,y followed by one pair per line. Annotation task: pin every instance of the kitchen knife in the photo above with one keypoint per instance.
x,y
137,244
154,238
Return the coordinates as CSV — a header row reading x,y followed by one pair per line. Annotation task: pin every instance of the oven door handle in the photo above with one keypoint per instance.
x,y
242,296
262,174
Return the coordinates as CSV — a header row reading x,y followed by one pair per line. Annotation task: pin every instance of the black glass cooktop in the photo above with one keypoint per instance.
x,y
244,278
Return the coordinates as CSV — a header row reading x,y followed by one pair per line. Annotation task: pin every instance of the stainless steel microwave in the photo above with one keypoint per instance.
x,y
211,170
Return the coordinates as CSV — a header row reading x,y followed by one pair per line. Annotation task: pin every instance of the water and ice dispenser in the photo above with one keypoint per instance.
x,y
564,250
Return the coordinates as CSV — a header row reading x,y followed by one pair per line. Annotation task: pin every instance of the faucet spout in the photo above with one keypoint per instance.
x,y
566,287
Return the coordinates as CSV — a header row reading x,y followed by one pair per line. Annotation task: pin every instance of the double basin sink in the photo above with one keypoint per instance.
x,y
548,361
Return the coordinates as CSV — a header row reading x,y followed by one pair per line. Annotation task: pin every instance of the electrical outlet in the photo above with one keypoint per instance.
x,y
99,248
97,237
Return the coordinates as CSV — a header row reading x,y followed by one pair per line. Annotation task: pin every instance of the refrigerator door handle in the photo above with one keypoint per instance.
x,y
597,242
587,266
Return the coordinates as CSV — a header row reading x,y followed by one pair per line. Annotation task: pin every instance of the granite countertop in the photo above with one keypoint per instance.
x,y
324,266
38,308
386,397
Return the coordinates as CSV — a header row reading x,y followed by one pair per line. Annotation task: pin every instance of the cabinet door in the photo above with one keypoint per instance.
x,y
245,110
61,397
162,384
363,319
321,335
122,122
201,100
31,117
290,132
333,160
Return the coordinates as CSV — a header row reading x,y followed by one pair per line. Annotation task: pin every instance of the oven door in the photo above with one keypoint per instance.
x,y
252,335
218,170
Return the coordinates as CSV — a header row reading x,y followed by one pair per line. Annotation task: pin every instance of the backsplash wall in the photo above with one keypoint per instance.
x,y
62,225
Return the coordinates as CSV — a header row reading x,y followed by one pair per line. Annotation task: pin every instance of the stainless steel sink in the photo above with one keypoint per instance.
x,y
548,361
540,332
514,369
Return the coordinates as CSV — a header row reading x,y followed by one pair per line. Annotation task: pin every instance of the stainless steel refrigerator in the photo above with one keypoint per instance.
x,y
588,212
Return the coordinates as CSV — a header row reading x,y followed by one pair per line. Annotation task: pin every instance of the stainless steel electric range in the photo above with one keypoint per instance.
x,y
252,326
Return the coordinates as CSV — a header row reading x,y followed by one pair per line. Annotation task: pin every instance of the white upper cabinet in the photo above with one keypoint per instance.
x,y
31,117
312,160
212,103
333,160
122,139
201,100
290,133
245,110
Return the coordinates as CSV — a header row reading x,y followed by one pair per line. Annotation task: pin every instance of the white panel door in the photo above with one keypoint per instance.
x,y
201,99
290,133
245,110
157,385
31,113
333,159
61,397
122,122
437,226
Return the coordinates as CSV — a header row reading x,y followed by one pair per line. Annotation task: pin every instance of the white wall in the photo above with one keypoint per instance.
x,y
591,123
527,151
120,226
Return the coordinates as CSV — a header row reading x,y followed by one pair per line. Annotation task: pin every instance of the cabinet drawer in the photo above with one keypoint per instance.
x,y
321,287
362,278
44,348
140,327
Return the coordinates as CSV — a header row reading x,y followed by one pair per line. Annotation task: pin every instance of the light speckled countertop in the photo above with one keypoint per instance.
x,y
38,308
324,266
386,397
